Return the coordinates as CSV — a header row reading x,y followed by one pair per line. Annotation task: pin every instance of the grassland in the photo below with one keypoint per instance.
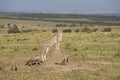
x,y
93,56
101,20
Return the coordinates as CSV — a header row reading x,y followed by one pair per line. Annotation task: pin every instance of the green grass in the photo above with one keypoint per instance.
x,y
96,50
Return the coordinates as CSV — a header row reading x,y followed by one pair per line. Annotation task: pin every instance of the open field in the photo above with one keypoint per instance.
x,y
93,56
79,19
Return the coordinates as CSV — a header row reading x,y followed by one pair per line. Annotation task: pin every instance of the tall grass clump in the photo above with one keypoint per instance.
x,y
61,25
54,30
13,29
88,30
107,30
94,29
67,30
76,30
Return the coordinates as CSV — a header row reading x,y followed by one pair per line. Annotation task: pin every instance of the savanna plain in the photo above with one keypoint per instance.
x,y
92,55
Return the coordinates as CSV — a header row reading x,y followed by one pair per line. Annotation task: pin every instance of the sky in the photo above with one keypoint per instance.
x,y
58,5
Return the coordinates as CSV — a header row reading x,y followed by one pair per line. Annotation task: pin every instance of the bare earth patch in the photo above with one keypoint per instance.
x,y
47,69
50,68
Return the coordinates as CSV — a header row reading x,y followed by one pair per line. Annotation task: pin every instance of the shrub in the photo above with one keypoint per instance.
x,y
54,30
61,25
107,30
23,27
44,30
86,48
67,30
75,49
38,25
77,30
86,30
29,30
8,25
13,29
73,25
94,29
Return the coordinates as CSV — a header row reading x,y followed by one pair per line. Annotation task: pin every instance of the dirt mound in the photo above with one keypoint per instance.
x,y
50,68
56,56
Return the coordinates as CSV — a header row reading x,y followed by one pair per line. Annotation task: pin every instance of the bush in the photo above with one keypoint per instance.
x,y
13,29
23,26
44,30
107,30
86,30
38,25
77,30
73,25
94,29
29,30
54,30
8,25
75,49
67,30
61,25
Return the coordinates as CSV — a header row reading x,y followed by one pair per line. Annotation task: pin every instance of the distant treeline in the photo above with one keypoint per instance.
x,y
93,19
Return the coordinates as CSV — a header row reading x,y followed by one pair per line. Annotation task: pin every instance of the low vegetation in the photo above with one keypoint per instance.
x,y
94,54
86,29
54,30
13,29
73,19
107,30
67,30
76,30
